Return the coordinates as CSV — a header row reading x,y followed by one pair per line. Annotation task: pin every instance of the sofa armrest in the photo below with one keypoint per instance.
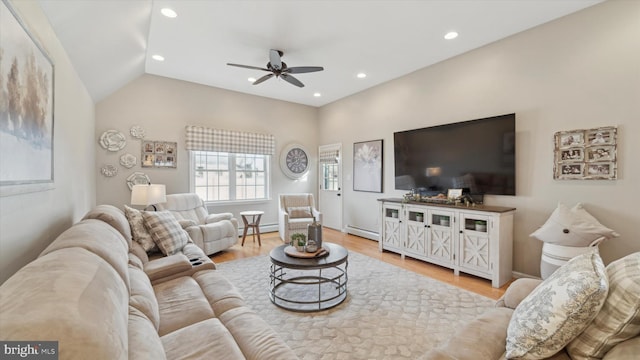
x,y
516,292
187,223
167,266
212,218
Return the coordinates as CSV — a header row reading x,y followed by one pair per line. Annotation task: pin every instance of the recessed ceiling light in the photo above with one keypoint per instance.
x,y
170,13
361,75
451,35
251,79
317,94
158,57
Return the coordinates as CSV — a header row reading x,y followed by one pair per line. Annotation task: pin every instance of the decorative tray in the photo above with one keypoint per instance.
x,y
292,251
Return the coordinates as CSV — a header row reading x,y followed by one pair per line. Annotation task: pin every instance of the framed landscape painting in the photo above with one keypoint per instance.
x,y
26,109
367,166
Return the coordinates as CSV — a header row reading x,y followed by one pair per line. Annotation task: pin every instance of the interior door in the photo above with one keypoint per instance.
x,y
330,180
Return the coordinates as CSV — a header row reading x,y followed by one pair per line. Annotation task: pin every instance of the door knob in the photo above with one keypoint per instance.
x,y
338,194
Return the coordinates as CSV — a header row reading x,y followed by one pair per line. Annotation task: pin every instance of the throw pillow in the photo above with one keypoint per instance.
x,y
558,309
572,227
619,318
138,231
165,231
299,212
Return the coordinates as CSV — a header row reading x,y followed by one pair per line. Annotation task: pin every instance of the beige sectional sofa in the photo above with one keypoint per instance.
x,y
613,334
98,294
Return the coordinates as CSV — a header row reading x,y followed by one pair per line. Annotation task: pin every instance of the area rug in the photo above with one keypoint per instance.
x,y
389,312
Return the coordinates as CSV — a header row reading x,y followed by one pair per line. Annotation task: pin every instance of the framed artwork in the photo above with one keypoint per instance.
x,y
367,166
26,112
159,154
588,154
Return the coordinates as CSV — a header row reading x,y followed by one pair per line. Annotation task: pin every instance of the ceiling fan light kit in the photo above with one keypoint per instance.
x,y
279,69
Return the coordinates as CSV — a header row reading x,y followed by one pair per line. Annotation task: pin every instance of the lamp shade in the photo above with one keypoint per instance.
x,y
148,194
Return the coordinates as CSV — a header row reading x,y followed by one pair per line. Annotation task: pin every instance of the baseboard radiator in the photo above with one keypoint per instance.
x,y
368,234
264,228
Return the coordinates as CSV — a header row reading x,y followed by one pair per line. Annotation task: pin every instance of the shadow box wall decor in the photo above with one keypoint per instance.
x,y
159,154
589,154
367,166
26,108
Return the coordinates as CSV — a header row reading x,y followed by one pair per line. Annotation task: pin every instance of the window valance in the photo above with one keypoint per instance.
x,y
329,157
206,139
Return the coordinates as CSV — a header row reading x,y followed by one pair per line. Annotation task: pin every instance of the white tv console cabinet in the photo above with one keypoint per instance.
x,y
476,240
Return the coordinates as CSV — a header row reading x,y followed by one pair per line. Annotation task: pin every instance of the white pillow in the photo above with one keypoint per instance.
x,y
138,231
559,309
572,227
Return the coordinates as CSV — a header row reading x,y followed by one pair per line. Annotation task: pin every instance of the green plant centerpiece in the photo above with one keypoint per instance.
x,y
299,240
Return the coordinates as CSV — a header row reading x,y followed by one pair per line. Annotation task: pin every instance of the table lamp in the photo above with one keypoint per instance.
x,y
148,195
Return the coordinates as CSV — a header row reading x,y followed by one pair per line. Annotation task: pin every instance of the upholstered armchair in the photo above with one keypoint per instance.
x,y
211,232
295,213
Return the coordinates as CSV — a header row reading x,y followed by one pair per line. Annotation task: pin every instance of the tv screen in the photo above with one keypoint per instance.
x,y
477,156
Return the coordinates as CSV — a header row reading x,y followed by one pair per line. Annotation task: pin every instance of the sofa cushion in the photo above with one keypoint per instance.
x,y
572,227
72,296
619,318
99,238
207,339
181,303
516,292
299,212
628,349
143,297
465,344
256,339
220,293
112,216
558,309
144,342
138,230
165,231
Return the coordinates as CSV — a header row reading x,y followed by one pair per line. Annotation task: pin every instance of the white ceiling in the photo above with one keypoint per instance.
x,y
111,42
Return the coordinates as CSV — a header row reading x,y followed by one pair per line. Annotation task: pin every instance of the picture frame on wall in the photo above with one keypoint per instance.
x,y
588,154
368,166
159,154
27,117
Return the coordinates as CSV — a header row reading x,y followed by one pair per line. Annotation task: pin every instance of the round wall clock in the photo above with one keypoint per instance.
x,y
294,161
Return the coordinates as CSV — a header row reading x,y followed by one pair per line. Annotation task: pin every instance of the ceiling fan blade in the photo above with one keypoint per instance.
x,y
266,77
248,67
274,59
291,80
303,69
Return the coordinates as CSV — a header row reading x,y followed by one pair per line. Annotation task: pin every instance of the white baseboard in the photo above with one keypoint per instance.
x,y
264,228
362,233
519,275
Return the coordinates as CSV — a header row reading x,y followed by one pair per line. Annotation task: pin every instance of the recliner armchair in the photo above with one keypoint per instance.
x,y
295,213
211,232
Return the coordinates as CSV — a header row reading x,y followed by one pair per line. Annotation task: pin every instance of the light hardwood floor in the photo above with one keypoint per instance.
x,y
369,248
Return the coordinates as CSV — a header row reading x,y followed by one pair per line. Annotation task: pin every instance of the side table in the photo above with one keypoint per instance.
x,y
251,219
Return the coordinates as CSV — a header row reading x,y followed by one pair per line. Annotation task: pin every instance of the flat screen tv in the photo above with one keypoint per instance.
x,y
477,156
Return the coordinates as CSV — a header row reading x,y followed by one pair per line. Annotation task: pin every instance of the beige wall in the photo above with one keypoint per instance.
x,y
578,72
163,107
29,222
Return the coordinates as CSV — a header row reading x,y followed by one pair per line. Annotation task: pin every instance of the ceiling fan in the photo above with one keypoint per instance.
x,y
278,68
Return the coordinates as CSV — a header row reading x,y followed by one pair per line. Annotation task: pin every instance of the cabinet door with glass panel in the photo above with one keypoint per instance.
x,y
440,238
416,227
474,244
392,233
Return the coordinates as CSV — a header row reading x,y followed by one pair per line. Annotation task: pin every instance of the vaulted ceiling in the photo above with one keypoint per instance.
x,y
112,42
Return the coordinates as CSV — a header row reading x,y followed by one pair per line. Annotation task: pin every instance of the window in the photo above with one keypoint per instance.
x,y
329,175
220,176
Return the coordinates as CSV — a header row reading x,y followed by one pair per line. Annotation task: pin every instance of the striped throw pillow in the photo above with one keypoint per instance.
x,y
165,231
619,318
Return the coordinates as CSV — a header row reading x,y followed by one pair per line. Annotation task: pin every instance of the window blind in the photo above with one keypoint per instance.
x,y
206,139
329,157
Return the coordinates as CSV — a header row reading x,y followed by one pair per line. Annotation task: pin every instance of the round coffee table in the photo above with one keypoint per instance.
x,y
308,284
